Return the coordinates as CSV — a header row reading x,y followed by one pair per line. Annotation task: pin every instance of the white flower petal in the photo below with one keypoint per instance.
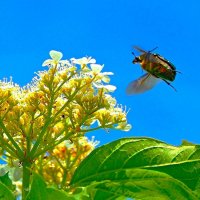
x,y
107,73
109,88
106,79
92,61
128,127
47,62
97,85
79,61
83,61
56,55
96,68
124,127
111,100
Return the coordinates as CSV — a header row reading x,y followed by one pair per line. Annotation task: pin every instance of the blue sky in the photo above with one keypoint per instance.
x,y
107,30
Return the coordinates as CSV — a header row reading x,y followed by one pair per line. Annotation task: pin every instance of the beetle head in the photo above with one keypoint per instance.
x,y
136,60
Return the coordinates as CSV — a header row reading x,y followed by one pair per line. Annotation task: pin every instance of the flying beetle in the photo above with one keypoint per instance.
x,y
157,68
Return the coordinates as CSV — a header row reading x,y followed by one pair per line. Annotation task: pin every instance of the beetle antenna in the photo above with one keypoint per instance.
x,y
133,53
153,49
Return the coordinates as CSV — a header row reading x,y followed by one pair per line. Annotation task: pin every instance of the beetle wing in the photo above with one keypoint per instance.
x,y
142,84
139,49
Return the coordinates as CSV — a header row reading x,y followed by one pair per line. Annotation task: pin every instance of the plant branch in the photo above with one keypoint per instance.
x,y
19,151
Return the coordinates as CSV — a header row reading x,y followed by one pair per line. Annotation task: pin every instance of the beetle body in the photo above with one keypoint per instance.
x,y
156,67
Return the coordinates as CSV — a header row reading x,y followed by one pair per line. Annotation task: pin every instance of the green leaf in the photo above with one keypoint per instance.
x,y
156,167
140,184
7,181
197,189
53,194
38,189
5,193
60,195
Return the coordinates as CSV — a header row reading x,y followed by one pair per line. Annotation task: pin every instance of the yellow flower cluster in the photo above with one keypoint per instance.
x,y
58,166
61,104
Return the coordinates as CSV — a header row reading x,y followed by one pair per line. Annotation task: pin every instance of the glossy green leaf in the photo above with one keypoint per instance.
x,y
140,184
162,165
38,189
53,194
7,181
5,193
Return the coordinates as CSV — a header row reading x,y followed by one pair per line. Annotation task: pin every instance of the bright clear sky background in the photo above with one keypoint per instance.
x,y
107,30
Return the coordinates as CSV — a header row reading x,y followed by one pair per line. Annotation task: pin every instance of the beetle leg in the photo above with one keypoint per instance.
x,y
178,71
169,84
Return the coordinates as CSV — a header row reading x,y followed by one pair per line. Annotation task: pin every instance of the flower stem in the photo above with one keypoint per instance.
x,y
14,143
26,179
